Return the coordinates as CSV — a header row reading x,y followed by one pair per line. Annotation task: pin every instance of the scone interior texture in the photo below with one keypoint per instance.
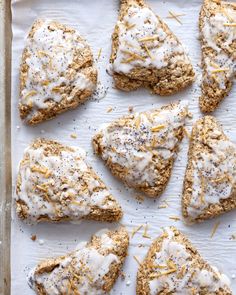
x,y
91,269
55,183
210,179
57,72
173,266
140,148
146,53
218,38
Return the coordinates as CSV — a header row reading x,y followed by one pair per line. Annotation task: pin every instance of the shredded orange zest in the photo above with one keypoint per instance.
x,y
137,260
135,230
230,24
215,228
99,53
219,70
145,234
31,93
175,16
148,52
148,38
73,135
109,109
157,128
130,26
175,218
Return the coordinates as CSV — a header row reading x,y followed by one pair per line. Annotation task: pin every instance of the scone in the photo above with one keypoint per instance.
x,y
57,72
218,40
91,269
55,183
174,266
210,178
140,149
145,53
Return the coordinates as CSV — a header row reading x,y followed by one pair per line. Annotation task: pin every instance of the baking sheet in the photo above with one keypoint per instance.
x,y
95,20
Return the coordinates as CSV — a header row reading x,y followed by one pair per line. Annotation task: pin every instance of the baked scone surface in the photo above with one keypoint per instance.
x,y
55,183
91,269
173,266
57,71
218,38
209,186
146,53
140,148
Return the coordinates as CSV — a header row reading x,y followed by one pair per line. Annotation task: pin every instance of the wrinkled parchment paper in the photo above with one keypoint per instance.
x,y
95,20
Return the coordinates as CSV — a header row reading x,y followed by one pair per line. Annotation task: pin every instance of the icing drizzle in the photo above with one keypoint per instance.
x,y
133,142
82,271
51,54
143,42
59,185
178,272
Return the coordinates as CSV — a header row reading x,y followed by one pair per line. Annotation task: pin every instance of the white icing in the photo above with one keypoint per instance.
x,y
218,169
123,144
70,188
138,23
213,27
86,262
50,55
192,277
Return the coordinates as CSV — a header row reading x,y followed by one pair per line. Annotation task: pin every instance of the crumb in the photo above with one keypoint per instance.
x,y
73,135
110,109
122,275
139,198
33,237
130,109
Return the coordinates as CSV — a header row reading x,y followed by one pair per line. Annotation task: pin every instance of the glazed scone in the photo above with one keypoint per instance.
x,y
57,72
55,183
145,53
140,149
174,266
210,178
91,269
218,40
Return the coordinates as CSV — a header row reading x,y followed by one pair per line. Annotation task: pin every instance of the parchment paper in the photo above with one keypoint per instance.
x,y
95,20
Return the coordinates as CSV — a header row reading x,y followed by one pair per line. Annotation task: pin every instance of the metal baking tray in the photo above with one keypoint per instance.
x,y
5,145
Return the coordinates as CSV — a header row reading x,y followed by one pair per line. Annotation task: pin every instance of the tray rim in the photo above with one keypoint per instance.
x,y
5,146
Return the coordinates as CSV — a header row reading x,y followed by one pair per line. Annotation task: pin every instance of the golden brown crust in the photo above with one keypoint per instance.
x,y
212,93
164,81
146,271
83,63
198,143
53,148
120,238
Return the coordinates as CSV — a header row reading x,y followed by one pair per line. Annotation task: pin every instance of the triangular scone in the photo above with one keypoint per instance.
x,y
140,148
91,269
55,183
146,53
57,72
210,178
218,39
174,266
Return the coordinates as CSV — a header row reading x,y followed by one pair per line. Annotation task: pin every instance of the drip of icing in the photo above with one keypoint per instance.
x,y
123,144
140,23
87,262
220,165
65,185
180,282
50,54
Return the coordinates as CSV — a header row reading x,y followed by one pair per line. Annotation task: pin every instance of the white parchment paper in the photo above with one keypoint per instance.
x,y
95,20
